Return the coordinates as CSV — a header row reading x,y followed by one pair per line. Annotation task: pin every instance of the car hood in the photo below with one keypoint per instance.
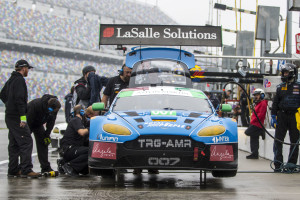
x,y
164,122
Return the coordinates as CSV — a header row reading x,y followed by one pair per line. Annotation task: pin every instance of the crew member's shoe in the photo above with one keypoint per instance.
x,y
153,171
277,170
137,171
60,163
69,170
252,156
14,175
31,175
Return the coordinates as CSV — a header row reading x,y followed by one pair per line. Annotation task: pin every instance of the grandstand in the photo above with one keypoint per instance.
x,y
60,37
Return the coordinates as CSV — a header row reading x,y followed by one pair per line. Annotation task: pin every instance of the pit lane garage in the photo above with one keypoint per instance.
x,y
160,122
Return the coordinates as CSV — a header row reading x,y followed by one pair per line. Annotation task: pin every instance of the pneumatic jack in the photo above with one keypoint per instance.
x,y
50,174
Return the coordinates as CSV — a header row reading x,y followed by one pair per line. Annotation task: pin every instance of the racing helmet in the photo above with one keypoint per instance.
x,y
88,69
291,68
259,91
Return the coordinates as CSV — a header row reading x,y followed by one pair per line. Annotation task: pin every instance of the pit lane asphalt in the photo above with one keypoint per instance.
x,y
262,184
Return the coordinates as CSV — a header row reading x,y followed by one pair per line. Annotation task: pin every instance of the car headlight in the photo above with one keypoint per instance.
x,y
212,130
55,130
116,129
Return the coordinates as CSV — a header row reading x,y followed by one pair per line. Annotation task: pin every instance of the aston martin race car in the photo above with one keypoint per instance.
x,y
160,121
163,127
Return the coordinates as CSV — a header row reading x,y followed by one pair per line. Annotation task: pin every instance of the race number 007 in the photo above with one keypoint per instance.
x,y
163,161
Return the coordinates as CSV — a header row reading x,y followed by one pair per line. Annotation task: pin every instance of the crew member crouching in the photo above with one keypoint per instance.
x,y
74,152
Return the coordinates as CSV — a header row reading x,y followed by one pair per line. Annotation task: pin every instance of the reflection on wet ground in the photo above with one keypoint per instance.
x,y
166,185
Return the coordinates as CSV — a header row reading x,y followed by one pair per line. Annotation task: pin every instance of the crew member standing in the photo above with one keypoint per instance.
x,y
285,105
82,92
255,129
116,84
14,95
43,111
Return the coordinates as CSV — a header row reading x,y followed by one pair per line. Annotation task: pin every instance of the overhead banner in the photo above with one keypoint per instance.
x,y
169,35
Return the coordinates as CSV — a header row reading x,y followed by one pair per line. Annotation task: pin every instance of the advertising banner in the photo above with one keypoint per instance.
x,y
169,35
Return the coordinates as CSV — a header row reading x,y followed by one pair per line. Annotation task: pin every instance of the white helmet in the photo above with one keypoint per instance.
x,y
259,91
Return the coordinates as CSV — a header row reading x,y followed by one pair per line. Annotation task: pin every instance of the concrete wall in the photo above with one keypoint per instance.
x,y
265,146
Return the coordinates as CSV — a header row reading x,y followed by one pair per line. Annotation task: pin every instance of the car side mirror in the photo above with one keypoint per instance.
x,y
226,108
98,106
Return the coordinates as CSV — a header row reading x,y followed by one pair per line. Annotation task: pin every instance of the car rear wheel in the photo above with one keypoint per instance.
x,y
224,173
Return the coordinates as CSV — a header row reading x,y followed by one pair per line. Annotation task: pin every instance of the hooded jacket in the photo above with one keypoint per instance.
x,y
38,114
14,95
260,109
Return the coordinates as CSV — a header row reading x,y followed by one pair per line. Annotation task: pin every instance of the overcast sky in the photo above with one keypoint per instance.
x,y
196,12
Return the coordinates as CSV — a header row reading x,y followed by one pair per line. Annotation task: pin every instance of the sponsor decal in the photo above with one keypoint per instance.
x,y
267,83
159,112
221,153
220,139
160,35
169,92
107,138
158,143
163,125
104,150
163,161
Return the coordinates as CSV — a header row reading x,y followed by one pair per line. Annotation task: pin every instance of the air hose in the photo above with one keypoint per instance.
x,y
284,168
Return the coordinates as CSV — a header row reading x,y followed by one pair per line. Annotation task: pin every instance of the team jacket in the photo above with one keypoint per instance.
x,y
14,95
287,98
38,114
83,92
260,109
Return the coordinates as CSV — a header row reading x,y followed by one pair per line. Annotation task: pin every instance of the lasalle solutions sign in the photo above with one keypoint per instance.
x,y
122,34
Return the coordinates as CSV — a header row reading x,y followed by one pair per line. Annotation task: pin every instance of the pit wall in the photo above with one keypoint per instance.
x,y
265,146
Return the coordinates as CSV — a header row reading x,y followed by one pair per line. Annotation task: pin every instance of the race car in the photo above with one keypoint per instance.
x,y
57,134
160,121
163,127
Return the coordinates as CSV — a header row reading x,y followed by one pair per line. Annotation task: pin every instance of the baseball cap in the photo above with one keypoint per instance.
x,y
22,63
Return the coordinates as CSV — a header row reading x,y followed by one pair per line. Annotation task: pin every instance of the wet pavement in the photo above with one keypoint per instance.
x,y
255,180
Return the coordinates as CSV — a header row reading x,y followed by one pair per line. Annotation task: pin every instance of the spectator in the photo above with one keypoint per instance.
x,y
285,104
255,129
43,111
14,95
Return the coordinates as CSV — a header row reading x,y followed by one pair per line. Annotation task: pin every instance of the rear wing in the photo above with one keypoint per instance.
x,y
161,35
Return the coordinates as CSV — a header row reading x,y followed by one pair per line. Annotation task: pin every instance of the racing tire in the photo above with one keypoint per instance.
x,y
224,173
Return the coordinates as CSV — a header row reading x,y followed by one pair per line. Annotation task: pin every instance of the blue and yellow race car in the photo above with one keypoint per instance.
x,y
161,122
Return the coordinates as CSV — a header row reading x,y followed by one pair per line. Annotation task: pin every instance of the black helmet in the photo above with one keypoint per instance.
x,y
291,68
87,69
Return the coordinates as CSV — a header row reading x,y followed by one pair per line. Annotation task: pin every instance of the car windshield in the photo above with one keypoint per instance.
x,y
162,102
160,72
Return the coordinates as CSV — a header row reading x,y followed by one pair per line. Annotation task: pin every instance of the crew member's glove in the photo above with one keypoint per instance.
x,y
47,141
273,121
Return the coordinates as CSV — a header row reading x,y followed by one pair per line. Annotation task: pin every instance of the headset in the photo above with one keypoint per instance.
x,y
50,109
121,72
